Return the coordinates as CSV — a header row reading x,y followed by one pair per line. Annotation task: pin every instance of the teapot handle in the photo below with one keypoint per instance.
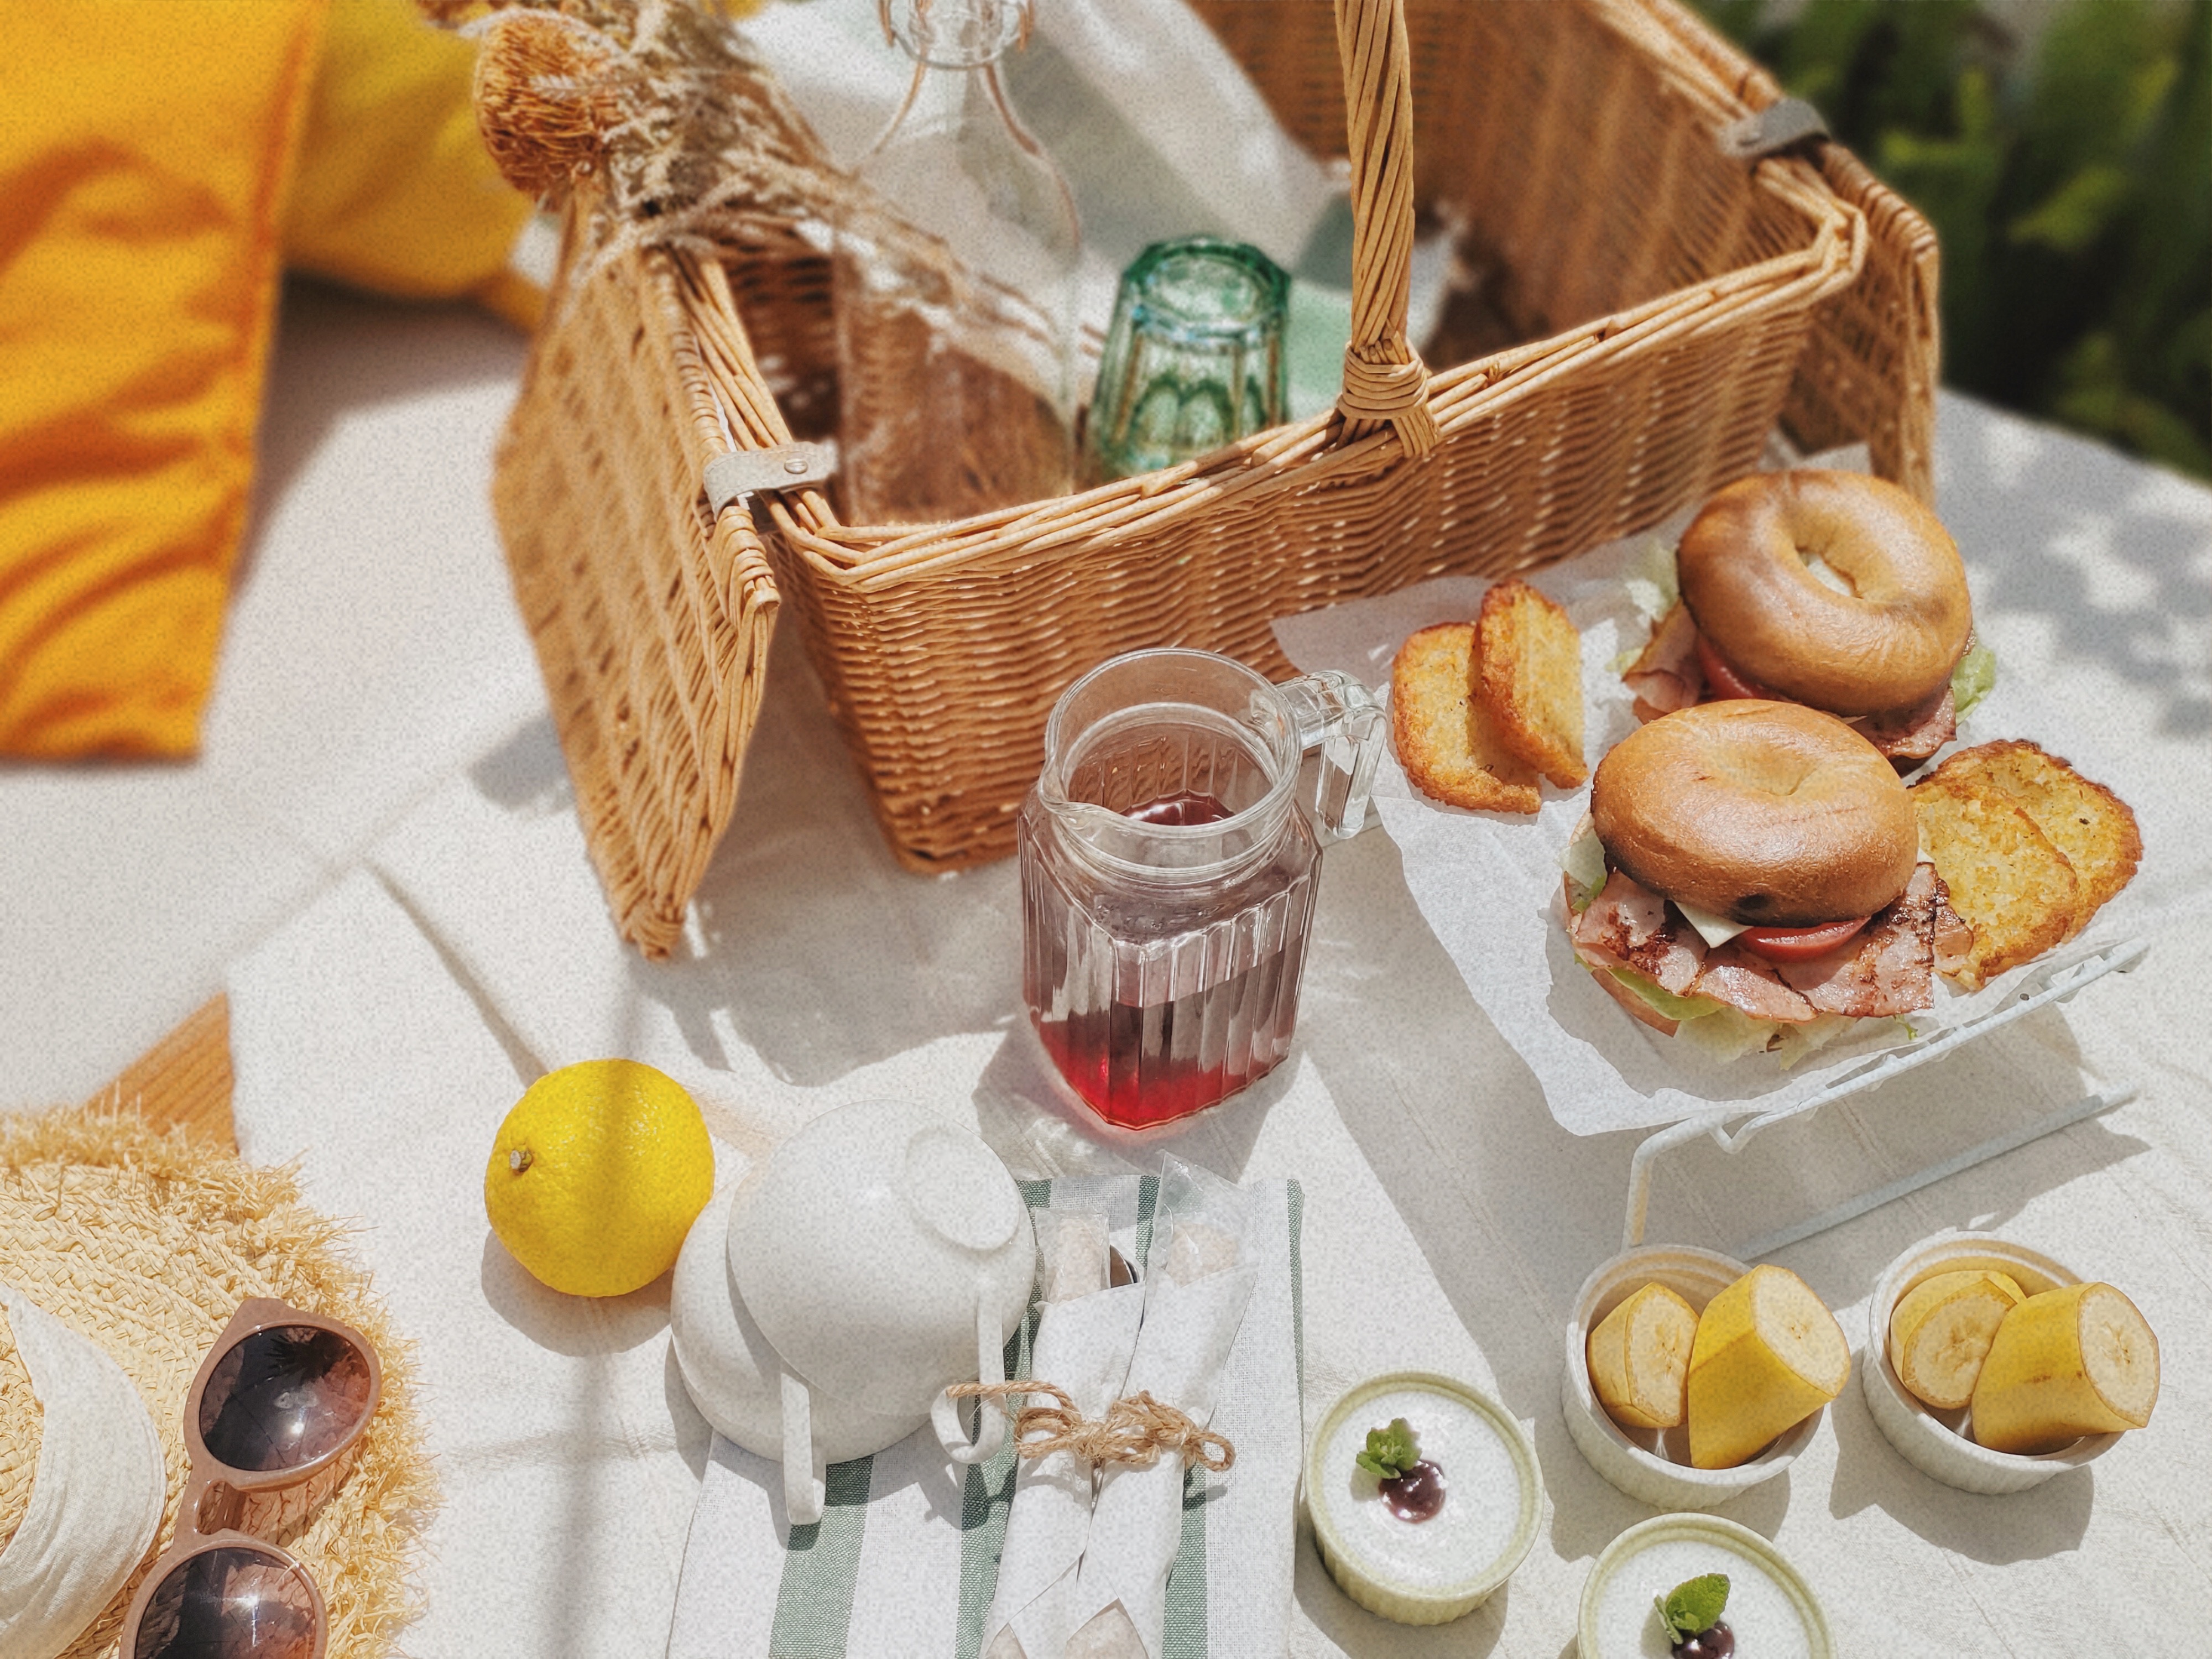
x,y
805,1488
990,1414
1342,719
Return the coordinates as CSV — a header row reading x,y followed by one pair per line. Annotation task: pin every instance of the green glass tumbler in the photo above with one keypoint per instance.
x,y
1195,356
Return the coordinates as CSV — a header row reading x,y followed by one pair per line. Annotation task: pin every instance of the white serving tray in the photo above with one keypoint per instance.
x,y
1488,885
2046,983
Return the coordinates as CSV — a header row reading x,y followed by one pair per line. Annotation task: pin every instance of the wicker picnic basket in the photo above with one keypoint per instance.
x,y
1662,302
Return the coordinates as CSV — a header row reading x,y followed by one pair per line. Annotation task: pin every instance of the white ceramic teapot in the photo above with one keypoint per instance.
x,y
822,1306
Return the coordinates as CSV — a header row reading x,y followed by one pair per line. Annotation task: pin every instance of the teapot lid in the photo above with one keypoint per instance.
x,y
864,1245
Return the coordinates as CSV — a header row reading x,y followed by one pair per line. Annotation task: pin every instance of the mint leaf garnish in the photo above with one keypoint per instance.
x,y
1390,1452
1693,1606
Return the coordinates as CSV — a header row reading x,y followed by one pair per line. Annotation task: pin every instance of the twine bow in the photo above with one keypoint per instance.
x,y
1136,1428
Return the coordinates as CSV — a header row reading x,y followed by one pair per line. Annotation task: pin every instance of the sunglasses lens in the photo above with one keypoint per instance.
x,y
229,1603
284,1397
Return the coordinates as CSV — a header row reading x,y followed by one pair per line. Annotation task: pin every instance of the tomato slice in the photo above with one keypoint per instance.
x,y
1722,682
1798,943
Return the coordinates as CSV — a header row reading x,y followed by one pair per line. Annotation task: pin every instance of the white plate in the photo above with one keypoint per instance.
x,y
1488,883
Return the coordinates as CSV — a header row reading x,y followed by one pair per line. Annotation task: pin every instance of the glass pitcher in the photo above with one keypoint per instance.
x,y
1168,875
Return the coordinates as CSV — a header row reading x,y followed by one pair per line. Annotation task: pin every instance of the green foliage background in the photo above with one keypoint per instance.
x,y
2070,185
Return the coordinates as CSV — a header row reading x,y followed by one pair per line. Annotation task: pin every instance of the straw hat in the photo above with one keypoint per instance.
x,y
147,1243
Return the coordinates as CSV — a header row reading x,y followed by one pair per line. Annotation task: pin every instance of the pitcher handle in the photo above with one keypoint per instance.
x,y
1343,720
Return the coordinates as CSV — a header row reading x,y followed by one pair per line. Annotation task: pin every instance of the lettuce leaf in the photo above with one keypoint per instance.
x,y
1728,1033
1723,1032
1974,678
1652,582
1584,862
1664,1000
1797,1042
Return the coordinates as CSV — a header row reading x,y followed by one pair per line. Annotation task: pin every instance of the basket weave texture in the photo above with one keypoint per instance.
x,y
1662,304
146,1244
651,616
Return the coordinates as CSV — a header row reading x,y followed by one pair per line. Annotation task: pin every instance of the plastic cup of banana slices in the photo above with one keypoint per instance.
x,y
1966,1321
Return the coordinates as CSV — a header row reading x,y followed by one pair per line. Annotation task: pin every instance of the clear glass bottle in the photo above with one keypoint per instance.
x,y
1168,874
955,346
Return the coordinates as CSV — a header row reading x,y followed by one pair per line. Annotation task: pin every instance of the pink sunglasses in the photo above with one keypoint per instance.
x,y
272,1425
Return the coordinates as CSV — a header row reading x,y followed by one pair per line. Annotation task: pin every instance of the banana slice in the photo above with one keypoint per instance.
x,y
1768,1355
1941,1331
2075,1361
1639,1358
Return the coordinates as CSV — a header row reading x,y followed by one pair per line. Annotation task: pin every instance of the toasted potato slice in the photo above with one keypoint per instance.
x,y
1529,658
2014,889
2086,822
1447,741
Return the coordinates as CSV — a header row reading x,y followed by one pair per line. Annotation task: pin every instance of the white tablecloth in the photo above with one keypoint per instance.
x,y
376,854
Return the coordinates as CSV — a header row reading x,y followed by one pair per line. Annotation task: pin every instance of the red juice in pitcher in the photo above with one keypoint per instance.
x,y
1168,876
1152,1009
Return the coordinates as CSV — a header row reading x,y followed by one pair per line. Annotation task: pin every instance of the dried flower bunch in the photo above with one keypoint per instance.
x,y
676,132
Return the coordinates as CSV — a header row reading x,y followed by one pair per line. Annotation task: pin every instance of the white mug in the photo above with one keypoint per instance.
x,y
880,1254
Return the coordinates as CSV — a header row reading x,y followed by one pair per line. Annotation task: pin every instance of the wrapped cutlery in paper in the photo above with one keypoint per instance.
x,y
1199,1275
1085,1333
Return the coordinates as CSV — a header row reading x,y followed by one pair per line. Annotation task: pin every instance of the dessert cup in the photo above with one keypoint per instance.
x,y
1652,1465
1771,1610
1939,1444
1430,1571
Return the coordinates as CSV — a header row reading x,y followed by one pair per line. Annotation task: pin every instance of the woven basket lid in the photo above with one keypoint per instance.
x,y
146,1244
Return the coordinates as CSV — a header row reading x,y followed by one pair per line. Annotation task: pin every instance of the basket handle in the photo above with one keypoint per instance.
x,y
1385,382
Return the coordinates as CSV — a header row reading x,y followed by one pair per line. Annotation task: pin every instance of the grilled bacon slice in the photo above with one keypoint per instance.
x,y
1888,969
1884,971
1667,676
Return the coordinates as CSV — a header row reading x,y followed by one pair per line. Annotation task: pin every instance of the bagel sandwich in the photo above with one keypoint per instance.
x,y
1835,590
1753,869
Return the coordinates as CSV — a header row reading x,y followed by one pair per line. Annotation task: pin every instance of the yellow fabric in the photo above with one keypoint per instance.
x,y
142,179
519,299
152,178
395,192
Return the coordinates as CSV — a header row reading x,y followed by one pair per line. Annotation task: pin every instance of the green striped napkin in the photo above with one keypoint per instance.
x,y
906,1555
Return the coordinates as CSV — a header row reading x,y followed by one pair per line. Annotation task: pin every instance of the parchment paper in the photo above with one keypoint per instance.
x,y
1488,883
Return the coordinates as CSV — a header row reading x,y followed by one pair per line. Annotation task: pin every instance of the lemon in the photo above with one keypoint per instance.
x,y
596,1174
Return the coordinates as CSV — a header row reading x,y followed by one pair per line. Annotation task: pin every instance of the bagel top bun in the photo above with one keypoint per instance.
x,y
1890,643
1771,814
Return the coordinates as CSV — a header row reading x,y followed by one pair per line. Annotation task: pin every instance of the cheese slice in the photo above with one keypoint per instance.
x,y
1716,931
1584,861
